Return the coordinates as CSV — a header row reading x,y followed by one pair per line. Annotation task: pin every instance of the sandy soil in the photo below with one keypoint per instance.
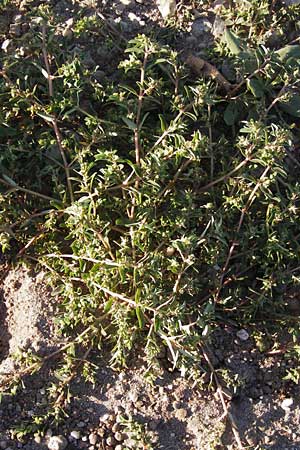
x,y
175,412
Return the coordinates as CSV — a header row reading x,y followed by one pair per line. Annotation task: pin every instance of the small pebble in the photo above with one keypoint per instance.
x,y
153,424
292,2
116,427
69,22
101,432
81,424
201,26
5,44
104,418
67,33
133,397
93,438
15,29
75,434
110,441
180,414
167,8
287,403
120,436
57,443
243,335
18,18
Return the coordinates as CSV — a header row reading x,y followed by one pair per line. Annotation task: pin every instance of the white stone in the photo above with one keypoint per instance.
x,y
243,335
57,443
18,18
67,33
93,438
133,17
75,434
70,22
133,397
287,403
167,8
5,45
104,418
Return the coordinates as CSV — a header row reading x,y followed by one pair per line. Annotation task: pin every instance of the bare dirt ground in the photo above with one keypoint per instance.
x,y
176,413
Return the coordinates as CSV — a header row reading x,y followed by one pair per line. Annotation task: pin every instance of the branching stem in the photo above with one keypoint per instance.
x,y
54,121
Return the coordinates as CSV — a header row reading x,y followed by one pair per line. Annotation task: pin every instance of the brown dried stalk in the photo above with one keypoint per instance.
x,y
54,120
202,67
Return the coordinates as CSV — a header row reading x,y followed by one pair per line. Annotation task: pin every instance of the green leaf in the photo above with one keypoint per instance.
x,y
232,41
292,106
231,113
143,120
163,123
41,69
6,131
257,87
157,323
289,51
9,180
46,117
140,316
250,60
131,125
125,222
135,167
137,296
108,305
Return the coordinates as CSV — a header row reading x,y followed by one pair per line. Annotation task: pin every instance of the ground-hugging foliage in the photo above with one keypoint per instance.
x,y
161,202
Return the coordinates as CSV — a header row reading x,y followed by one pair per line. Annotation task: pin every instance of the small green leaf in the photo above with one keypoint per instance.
x,y
163,123
125,222
131,125
257,87
6,131
137,296
292,106
46,117
41,69
232,41
122,274
108,305
140,316
143,120
156,323
9,180
289,51
134,167
231,113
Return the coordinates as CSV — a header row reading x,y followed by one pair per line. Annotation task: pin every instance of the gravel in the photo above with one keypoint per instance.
x,y
57,443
